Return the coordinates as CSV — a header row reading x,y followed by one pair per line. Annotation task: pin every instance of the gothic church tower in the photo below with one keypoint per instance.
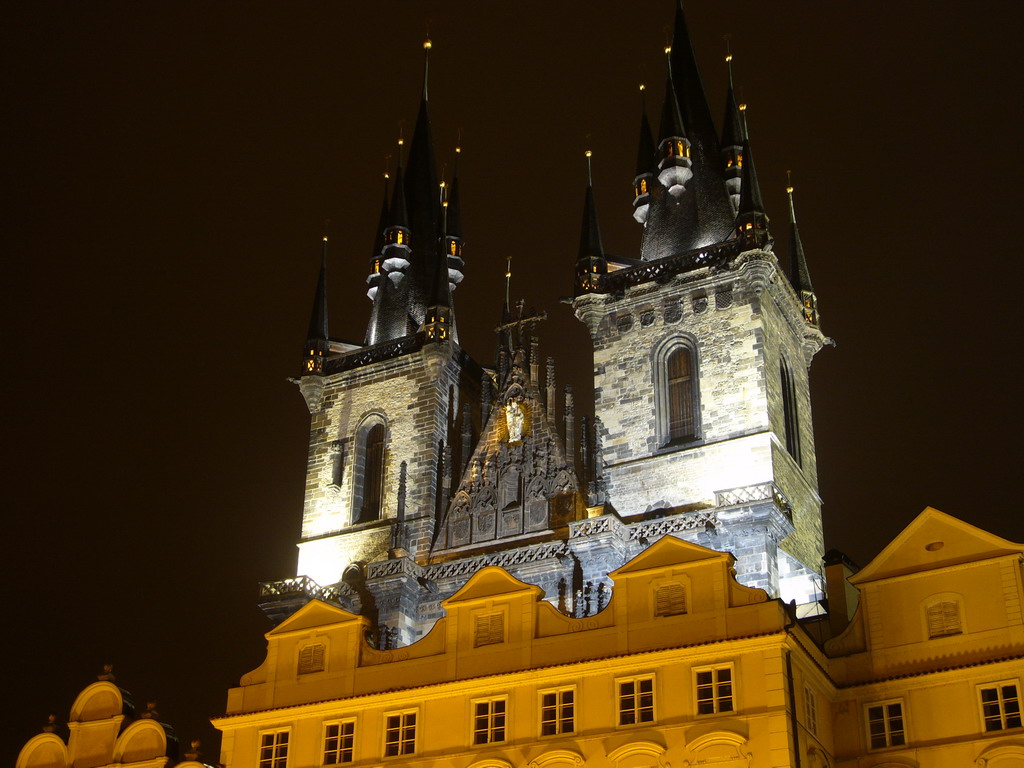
x,y
702,346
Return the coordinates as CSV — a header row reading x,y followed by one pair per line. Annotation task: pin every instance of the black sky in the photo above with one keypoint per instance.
x,y
168,166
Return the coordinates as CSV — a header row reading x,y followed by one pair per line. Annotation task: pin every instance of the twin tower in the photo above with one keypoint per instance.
x,y
425,466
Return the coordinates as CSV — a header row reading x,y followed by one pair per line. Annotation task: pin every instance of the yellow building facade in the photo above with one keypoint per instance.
x,y
685,666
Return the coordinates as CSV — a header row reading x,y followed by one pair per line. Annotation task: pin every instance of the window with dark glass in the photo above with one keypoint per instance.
x,y
1000,706
885,725
557,715
682,402
714,690
339,742
399,734
273,749
372,485
636,700
489,721
789,413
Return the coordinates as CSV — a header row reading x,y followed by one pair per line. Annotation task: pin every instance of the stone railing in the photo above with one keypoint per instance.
x,y
754,493
299,585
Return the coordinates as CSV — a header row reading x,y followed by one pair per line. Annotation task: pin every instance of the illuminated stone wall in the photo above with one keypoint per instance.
x,y
413,394
741,321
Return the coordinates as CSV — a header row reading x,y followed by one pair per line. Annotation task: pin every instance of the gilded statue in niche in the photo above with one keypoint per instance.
x,y
514,420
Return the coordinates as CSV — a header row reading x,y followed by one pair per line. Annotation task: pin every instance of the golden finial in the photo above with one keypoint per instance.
x,y
590,177
668,49
643,87
743,107
789,182
427,45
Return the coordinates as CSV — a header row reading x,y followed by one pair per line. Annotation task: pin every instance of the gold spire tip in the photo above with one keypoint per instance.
x,y
668,49
588,153
325,238
643,87
743,107
728,58
427,45
386,176
458,150
401,141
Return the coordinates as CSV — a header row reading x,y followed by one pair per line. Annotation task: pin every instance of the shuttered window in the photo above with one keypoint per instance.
x,y
944,619
488,629
311,659
670,600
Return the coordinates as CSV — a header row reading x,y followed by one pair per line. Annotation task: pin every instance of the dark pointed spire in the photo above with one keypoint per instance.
x,y
750,195
671,118
647,151
591,263
590,233
751,220
382,221
733,132
453,225
733,136
714,215
438,323
799,276
646,164
317,338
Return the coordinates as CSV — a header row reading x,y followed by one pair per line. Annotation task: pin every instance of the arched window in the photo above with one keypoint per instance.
x,y
681,395
790,416
369,476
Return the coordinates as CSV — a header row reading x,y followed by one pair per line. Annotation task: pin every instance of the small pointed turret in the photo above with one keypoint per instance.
x,y
646,160
799,277
453,228
733,136
673,146
317,338
751,220
591,263
377,261
438,323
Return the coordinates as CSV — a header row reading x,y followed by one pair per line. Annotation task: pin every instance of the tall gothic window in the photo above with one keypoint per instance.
x,y
790,415
677,392
369,476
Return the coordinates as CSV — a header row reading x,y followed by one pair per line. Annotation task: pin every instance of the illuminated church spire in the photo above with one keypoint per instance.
x,y
751,220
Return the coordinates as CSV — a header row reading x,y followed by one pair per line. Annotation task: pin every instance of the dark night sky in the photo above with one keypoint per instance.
x,y
169,165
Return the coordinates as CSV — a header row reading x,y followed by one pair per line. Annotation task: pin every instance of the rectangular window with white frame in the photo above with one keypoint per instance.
x,y
886,724
713,687
811,710
489,719
557,711
1000,705
400,733
636,700
339,742
273,749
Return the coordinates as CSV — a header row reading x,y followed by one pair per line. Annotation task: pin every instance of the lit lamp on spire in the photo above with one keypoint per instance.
x,y
673,148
